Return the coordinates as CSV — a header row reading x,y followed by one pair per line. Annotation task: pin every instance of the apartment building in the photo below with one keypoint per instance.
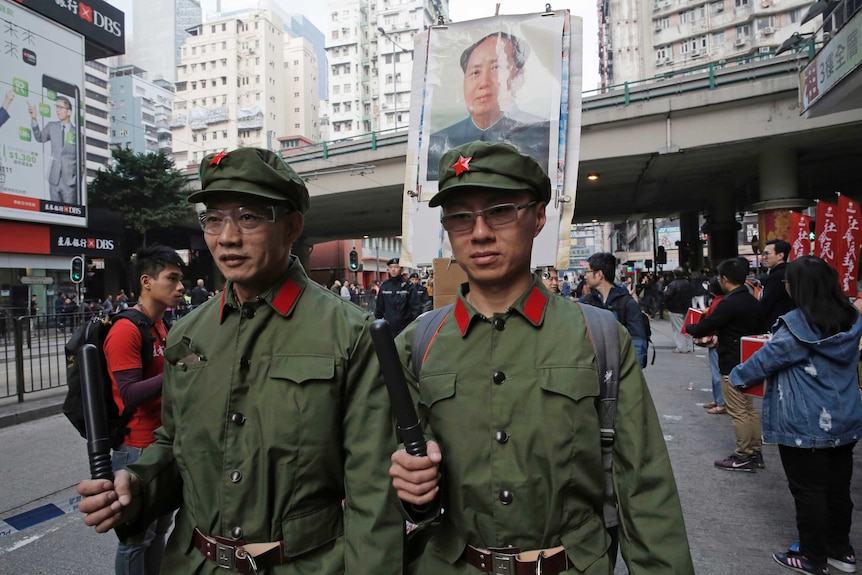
x,y
302,104
640,40
140,111
96,122
230,89
370,50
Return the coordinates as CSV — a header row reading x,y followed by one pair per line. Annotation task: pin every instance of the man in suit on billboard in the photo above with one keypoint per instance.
x,y
63,177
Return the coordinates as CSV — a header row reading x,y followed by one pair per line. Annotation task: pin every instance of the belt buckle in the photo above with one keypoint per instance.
x,y
502,563
225,557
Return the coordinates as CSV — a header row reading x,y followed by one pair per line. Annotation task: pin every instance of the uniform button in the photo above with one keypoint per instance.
x,y
237,418
244,362
235,476
506,497
501,436
499,377
248,312
236,532
499,324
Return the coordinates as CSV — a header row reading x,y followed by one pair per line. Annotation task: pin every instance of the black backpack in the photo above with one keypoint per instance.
x,y
95,331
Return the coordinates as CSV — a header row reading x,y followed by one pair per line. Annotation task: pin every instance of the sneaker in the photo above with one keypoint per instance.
x,y
757,460
800,563
845,562
736,463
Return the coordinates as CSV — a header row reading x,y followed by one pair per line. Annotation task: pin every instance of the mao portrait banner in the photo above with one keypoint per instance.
x,y
826,233
514,79
850,229
800,242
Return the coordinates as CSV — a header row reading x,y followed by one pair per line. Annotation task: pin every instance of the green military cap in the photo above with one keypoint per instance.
x,y
499,166
252,172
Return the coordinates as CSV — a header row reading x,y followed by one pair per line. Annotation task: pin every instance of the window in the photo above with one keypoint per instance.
x,y
347,88
741,3
224,27
743,31
203,65
347,106
296,110
336,108
335,34
296,126
296,94
718,39
335,89
212,29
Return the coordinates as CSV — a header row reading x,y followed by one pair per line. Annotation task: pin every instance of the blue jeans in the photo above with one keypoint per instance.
x,y
716,377
140,558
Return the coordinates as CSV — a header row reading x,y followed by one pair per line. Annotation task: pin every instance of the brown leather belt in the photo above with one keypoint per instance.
x,y
237,555
512,561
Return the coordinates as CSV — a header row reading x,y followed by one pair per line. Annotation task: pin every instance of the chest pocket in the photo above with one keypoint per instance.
x,y
436,388
306,395
575,383
302,369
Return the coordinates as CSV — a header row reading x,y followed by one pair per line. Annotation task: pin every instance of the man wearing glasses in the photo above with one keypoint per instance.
x,y
508,391
63,176
273,409
774,299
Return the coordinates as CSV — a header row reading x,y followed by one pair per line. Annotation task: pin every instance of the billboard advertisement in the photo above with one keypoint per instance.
x,y
513,79
41,129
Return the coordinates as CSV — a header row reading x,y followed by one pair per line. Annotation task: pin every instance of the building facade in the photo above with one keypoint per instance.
x,y
96,117
302,104
159,30
640,40
140,111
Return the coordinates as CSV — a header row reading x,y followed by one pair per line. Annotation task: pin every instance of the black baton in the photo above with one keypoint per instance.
x,y
95,418
402,406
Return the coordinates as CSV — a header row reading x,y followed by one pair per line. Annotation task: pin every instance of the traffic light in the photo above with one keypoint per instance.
x,y
354,261
660,256
76,269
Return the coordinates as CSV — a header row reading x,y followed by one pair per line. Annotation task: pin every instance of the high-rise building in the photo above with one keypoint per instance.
x,y
370,48
230,88
159,29
97,125
639,40
302,104
140,111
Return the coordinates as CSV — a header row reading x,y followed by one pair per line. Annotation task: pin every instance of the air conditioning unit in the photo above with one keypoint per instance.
x,y
658,27
695,53
764,50
768,31
668,60
659,62
719,8
666,4
739,42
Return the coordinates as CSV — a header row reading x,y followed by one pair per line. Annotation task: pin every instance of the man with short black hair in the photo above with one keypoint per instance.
x,y
616,298
397,300
774,298
421,291
738,314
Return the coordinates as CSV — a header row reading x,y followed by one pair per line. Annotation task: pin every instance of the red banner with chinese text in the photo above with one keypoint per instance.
x,y
850,226
826,233
800,242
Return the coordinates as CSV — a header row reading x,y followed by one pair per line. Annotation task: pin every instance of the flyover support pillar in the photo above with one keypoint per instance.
x,y
779,194
721,226
689,250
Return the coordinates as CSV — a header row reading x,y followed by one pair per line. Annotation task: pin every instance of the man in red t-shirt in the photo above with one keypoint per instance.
x,y
159,270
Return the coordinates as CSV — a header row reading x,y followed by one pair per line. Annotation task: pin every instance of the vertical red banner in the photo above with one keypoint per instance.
x,y
850,224
826,232
800,243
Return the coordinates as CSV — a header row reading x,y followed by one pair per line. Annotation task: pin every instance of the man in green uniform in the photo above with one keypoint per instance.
x,y
273,408
508,391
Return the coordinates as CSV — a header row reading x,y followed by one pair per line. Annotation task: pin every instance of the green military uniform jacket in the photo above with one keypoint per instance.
x,y
273,412
511,400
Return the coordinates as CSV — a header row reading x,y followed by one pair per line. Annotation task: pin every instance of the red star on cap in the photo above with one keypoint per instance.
x,y
462,165
216,161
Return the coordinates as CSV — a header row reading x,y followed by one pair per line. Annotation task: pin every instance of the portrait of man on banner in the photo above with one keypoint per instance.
x,y
509,77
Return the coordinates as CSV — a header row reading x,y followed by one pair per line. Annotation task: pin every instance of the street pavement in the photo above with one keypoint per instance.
x,y
735,520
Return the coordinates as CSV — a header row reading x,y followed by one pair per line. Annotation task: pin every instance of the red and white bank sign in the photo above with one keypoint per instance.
x,y
826,232
850,224
800,243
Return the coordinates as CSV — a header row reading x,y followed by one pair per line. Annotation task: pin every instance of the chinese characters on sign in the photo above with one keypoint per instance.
x,y
800,244
851,234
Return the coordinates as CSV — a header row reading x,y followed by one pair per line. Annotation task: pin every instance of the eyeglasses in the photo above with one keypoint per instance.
x,y
766,253
494,216
244,218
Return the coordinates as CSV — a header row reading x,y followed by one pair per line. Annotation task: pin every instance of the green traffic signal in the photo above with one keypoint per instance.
x,y
76,269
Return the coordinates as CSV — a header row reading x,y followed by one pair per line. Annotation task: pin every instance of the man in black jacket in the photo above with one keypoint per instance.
x,y
397,301
774,298
738,314
677,300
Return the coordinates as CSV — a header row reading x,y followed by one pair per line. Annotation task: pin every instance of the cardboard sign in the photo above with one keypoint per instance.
x,y
691,317
747,346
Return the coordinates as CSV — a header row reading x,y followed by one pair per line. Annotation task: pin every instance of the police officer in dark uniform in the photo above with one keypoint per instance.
x,y
397,301
422,291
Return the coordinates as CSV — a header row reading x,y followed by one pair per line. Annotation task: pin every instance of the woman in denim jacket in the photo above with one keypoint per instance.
x,y
813,411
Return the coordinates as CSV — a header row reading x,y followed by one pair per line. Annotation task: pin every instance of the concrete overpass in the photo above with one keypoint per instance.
x,y
715,139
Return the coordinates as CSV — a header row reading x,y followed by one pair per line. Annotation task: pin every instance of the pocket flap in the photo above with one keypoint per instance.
x,y
433,388
587,544
302,368
573,382
307,532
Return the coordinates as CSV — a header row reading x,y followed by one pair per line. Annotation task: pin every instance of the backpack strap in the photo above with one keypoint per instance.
x,y
429,324
602,330
144,324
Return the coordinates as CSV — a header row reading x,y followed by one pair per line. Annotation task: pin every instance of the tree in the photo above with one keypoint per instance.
x,y
145,189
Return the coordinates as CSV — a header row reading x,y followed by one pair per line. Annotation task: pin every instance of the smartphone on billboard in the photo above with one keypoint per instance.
x,y
59,128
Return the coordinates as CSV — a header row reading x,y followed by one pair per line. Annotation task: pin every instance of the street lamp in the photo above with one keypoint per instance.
x,y
394,74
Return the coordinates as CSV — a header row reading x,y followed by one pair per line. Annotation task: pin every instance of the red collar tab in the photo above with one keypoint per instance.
x,y
217,159
462,165
462,316
221,304
534,307
286,297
